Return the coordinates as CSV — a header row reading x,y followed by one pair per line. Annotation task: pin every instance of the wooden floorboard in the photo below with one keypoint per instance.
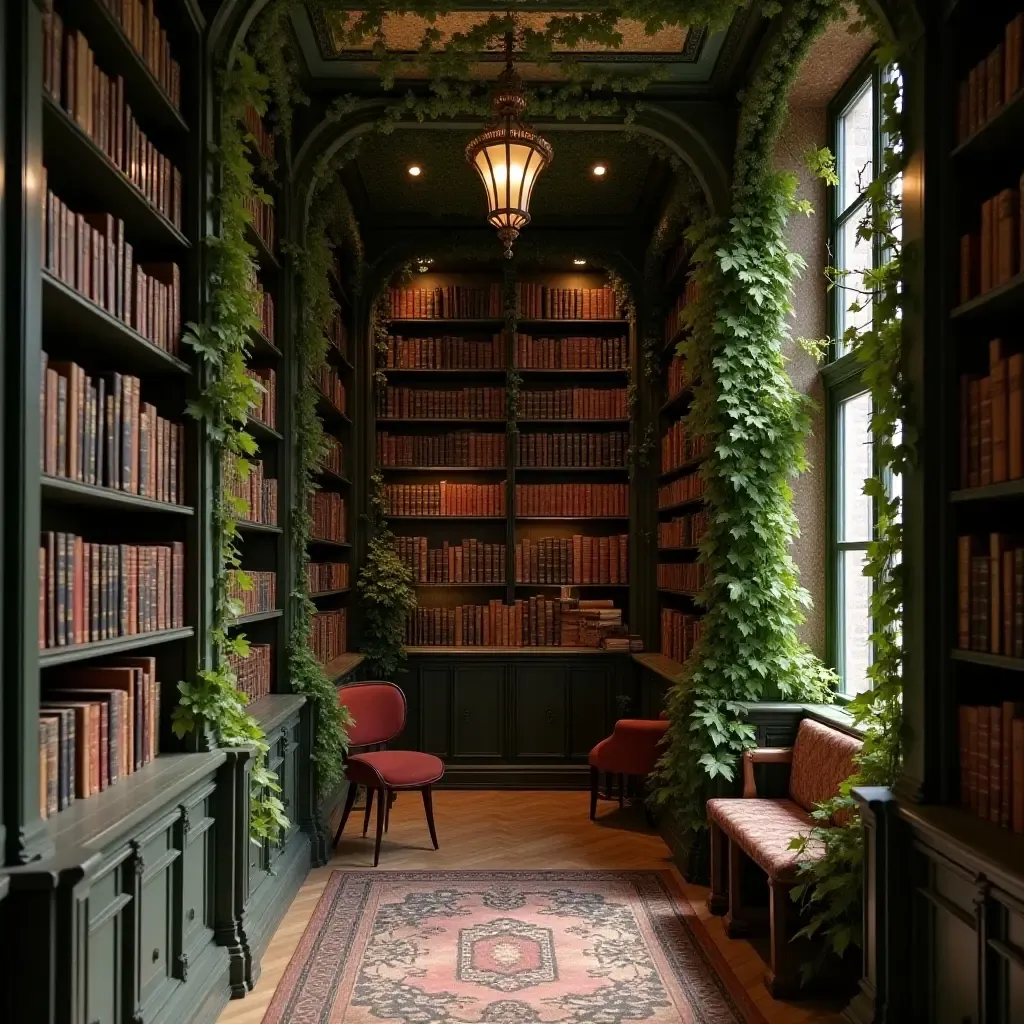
x,y
517,829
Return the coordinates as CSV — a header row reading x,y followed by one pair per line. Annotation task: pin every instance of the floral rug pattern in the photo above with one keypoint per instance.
x,y
526,947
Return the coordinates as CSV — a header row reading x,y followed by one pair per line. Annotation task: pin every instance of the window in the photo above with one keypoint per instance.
x,y
857,143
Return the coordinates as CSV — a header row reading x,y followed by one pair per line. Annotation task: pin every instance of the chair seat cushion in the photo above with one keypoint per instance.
x,y
763,829
397,768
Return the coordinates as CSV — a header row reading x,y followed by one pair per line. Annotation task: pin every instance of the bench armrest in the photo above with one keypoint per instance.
x,y
762,755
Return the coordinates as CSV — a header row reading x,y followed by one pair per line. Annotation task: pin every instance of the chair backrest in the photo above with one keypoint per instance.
x,y
822,761
378,711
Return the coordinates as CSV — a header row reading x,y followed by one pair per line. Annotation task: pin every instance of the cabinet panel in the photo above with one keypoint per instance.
x,y
156,860
107,947
589,696
409,737
478,692
540,712
435,711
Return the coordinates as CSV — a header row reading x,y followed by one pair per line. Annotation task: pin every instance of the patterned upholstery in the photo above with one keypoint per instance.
x,y
822,760
763,829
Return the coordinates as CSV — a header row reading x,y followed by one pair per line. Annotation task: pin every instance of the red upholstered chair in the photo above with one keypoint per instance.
x,y
632,749
378,712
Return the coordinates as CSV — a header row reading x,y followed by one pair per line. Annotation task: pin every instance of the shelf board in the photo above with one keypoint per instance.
x,y
86,178
263,346
668,347
74,492
493,519
682,470
988,660
990,492
676,401
452,321
570,519
679,593
118,645
336,478
990,140
244,620
275,708
699,500
572,469
264,254
661,665
444,469
338,356
327,593
458,421
577,586
687,548
469,585
1002,301
73,315
534,371
526,651
491,371
580,326
574,423
342,665
246,527
325,407
324,543
261,431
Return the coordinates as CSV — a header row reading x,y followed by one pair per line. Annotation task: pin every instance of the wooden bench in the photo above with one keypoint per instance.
x,y
759,830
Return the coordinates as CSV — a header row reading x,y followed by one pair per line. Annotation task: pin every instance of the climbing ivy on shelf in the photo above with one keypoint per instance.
x,y
213,700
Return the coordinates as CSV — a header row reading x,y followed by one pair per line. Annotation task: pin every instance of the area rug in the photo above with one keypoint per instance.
x,y
507,947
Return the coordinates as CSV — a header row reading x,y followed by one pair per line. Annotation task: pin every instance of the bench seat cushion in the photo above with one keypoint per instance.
x,y
763,829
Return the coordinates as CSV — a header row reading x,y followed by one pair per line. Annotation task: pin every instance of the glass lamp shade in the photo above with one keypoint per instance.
x,y
509,158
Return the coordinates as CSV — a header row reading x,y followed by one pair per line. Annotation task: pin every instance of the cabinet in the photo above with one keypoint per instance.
x,y
478,697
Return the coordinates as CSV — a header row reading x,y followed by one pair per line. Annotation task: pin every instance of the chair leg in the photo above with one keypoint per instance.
x,y
382,803
718,900
349,801
428,807
736,923
595,778
781,979
369,805
387,812
622,790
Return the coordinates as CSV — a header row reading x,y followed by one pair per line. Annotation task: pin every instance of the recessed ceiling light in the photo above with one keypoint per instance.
x,y
579,262
415,170
599,170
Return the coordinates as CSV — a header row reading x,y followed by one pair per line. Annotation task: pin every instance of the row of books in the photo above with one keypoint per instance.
x,y
141,25
264,309
677,377
460,448
530,622
98,105
441,403
990,594
445,499
991,83
90,592
445,352
88,252
571,560
991,256
683,531
262,136
685,576
329,635
680,632
674,317
337,335
541,302
258,492
327,510
324,576
574,404
570,353
471,561
992,421
332,387
99,431
263,217
266,408
334,455
254,590
97,725
685,488
254,671
577,501
992,762
451,302
598,450
679,446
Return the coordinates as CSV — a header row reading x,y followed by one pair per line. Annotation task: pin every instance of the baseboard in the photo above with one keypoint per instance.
x,y
515,776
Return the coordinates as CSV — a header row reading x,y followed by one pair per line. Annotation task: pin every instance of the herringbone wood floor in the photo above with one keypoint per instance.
x,y
508,830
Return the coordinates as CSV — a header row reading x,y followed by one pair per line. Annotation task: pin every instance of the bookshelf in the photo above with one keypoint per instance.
x,y
482,506
681,519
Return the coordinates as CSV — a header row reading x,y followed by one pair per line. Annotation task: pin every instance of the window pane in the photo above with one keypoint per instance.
x,y
856,464
856,146
854,622
855,256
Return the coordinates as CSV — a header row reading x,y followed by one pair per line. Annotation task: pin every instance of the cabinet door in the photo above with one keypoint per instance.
x,y
479,697
589,699
540,712
198,837
109,935
435,711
